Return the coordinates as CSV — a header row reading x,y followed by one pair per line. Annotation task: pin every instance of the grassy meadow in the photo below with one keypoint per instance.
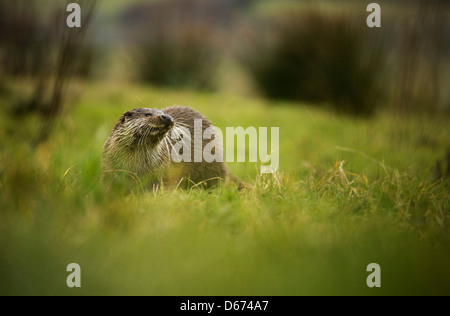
x,y
349,192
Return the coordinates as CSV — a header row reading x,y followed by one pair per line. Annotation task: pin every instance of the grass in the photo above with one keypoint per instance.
x,y
349,192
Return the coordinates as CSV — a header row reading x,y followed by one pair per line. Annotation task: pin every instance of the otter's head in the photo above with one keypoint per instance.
x,y
143,127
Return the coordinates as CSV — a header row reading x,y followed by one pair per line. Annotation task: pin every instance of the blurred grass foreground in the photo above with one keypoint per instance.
x,y
364,147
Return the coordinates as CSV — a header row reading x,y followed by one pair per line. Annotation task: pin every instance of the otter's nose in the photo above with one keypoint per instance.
x,y
166,118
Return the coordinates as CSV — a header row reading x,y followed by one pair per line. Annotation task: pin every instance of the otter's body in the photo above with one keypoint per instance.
x,y
142,143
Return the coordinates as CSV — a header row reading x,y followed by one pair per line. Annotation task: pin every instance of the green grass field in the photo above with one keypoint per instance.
x,y
349,192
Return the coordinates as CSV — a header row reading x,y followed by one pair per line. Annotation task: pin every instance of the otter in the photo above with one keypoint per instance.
x,y
141,144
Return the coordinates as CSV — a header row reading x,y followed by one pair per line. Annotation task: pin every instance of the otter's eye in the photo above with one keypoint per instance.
x,y
148,115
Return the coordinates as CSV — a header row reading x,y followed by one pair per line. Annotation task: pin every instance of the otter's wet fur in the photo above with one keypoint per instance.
x,y
140,144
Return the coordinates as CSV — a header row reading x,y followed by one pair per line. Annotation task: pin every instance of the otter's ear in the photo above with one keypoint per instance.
x,y
126,116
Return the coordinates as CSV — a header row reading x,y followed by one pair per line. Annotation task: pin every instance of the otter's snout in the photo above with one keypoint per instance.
x,y
167,119
166,122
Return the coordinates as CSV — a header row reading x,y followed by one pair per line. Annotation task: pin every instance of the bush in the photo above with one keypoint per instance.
x,y
21,30
173,56
316,57
41,54
173,43
422,53
31,35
